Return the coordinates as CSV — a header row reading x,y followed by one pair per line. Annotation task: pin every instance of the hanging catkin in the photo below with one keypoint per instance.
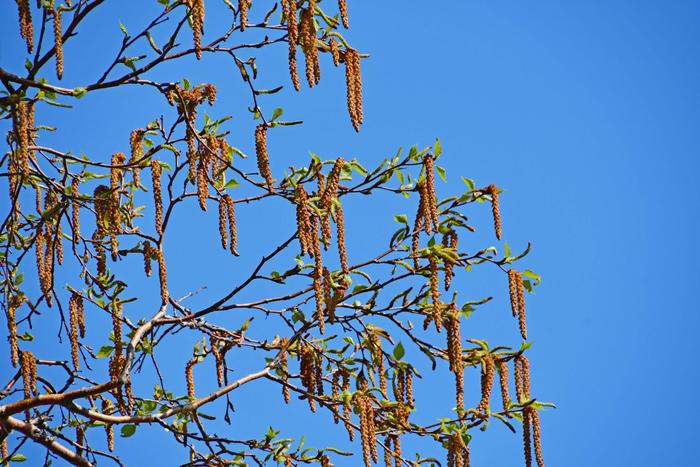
x,y
318,275
431,204
147,253
493,191
189,377
74,318
521,306
12,329
353,81
343,7
284,366
450,240
26,27
487,376
303,220
136,145
335,51
243,12
293,37
58,40
232,229
157,195
223,232
262,155
435,293
75,207
307,368
197,14
162,274
307,38
503,378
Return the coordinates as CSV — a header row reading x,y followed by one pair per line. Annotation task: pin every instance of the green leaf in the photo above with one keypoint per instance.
x,y
441,172
401,219
123,28
18,458
277,113
79,93
532,275
26,337
438,148
232,183
105,351
399,351
128,430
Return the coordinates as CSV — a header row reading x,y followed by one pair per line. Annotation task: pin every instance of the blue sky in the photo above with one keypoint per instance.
x,y
586,113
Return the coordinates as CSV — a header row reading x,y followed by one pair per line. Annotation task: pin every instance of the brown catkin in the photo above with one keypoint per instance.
x,y
23,137
243,12
353,81
74,316
107,408
503,378
513,291
335,390
536,435
284,365
117,327
232,229
493,191
335,51
223,232
308,374
454,340
136,145
435,293
4,453
343,7
218,360
28,364
521,306
387,451
307,38
409,386
347,409
75,206
325,217
12,329
197,13
317,274
290,14
202,181
58,40
450,240
189,377
157,195
147,253
26,27
487,376
262,155
303,220
431,205
527,445
162,274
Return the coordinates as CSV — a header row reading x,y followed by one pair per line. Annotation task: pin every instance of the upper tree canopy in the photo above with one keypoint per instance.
x,y
90,246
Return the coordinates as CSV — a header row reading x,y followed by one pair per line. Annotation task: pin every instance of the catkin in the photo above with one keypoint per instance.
x,y
12,328
353,78
157,195
117,178
75,206
308,374
318,275
307,38
513,291
487,376
26,27
136,145
431,204
28,364
454,340
162,274
74,315
293,37
335,51
493,191
343,7
107,407
147,253
527,444
503,378
521,306
202,182
243,11
335,389
347,409
536,435
367,427
223,232
262,155
79,439
435,293
450,241
197,12
23,137
325,217
189,377
284,365
232,229
117,327
58,40
303,220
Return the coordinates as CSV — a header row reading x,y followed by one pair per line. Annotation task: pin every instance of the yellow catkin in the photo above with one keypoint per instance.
x,y
75,207
536,435
387,451
157,195
232,229
117,327
431,205
262,155
99,253
12,329
513,291
44,277
522,386
223,232
308,374
243,12
335,390
503,378
116,367
364,406
378,358
58,40
487,376
202,181
454,339
28,364
26,27
147,253
117,178
136,145
343,7
303,220
327,297
284,364
197,13
493,191
189,377
335,51
74,318
325,218
162,274
527,443
409,386
353,79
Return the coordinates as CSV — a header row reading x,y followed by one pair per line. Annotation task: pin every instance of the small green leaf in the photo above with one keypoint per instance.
x,y
441,172
231,183
79,93
399,351
438,148
401,219
277,113
105,351
128,430
18,458
123,28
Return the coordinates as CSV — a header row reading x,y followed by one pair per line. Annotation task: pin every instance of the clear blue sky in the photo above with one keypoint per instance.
x,y
585,112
